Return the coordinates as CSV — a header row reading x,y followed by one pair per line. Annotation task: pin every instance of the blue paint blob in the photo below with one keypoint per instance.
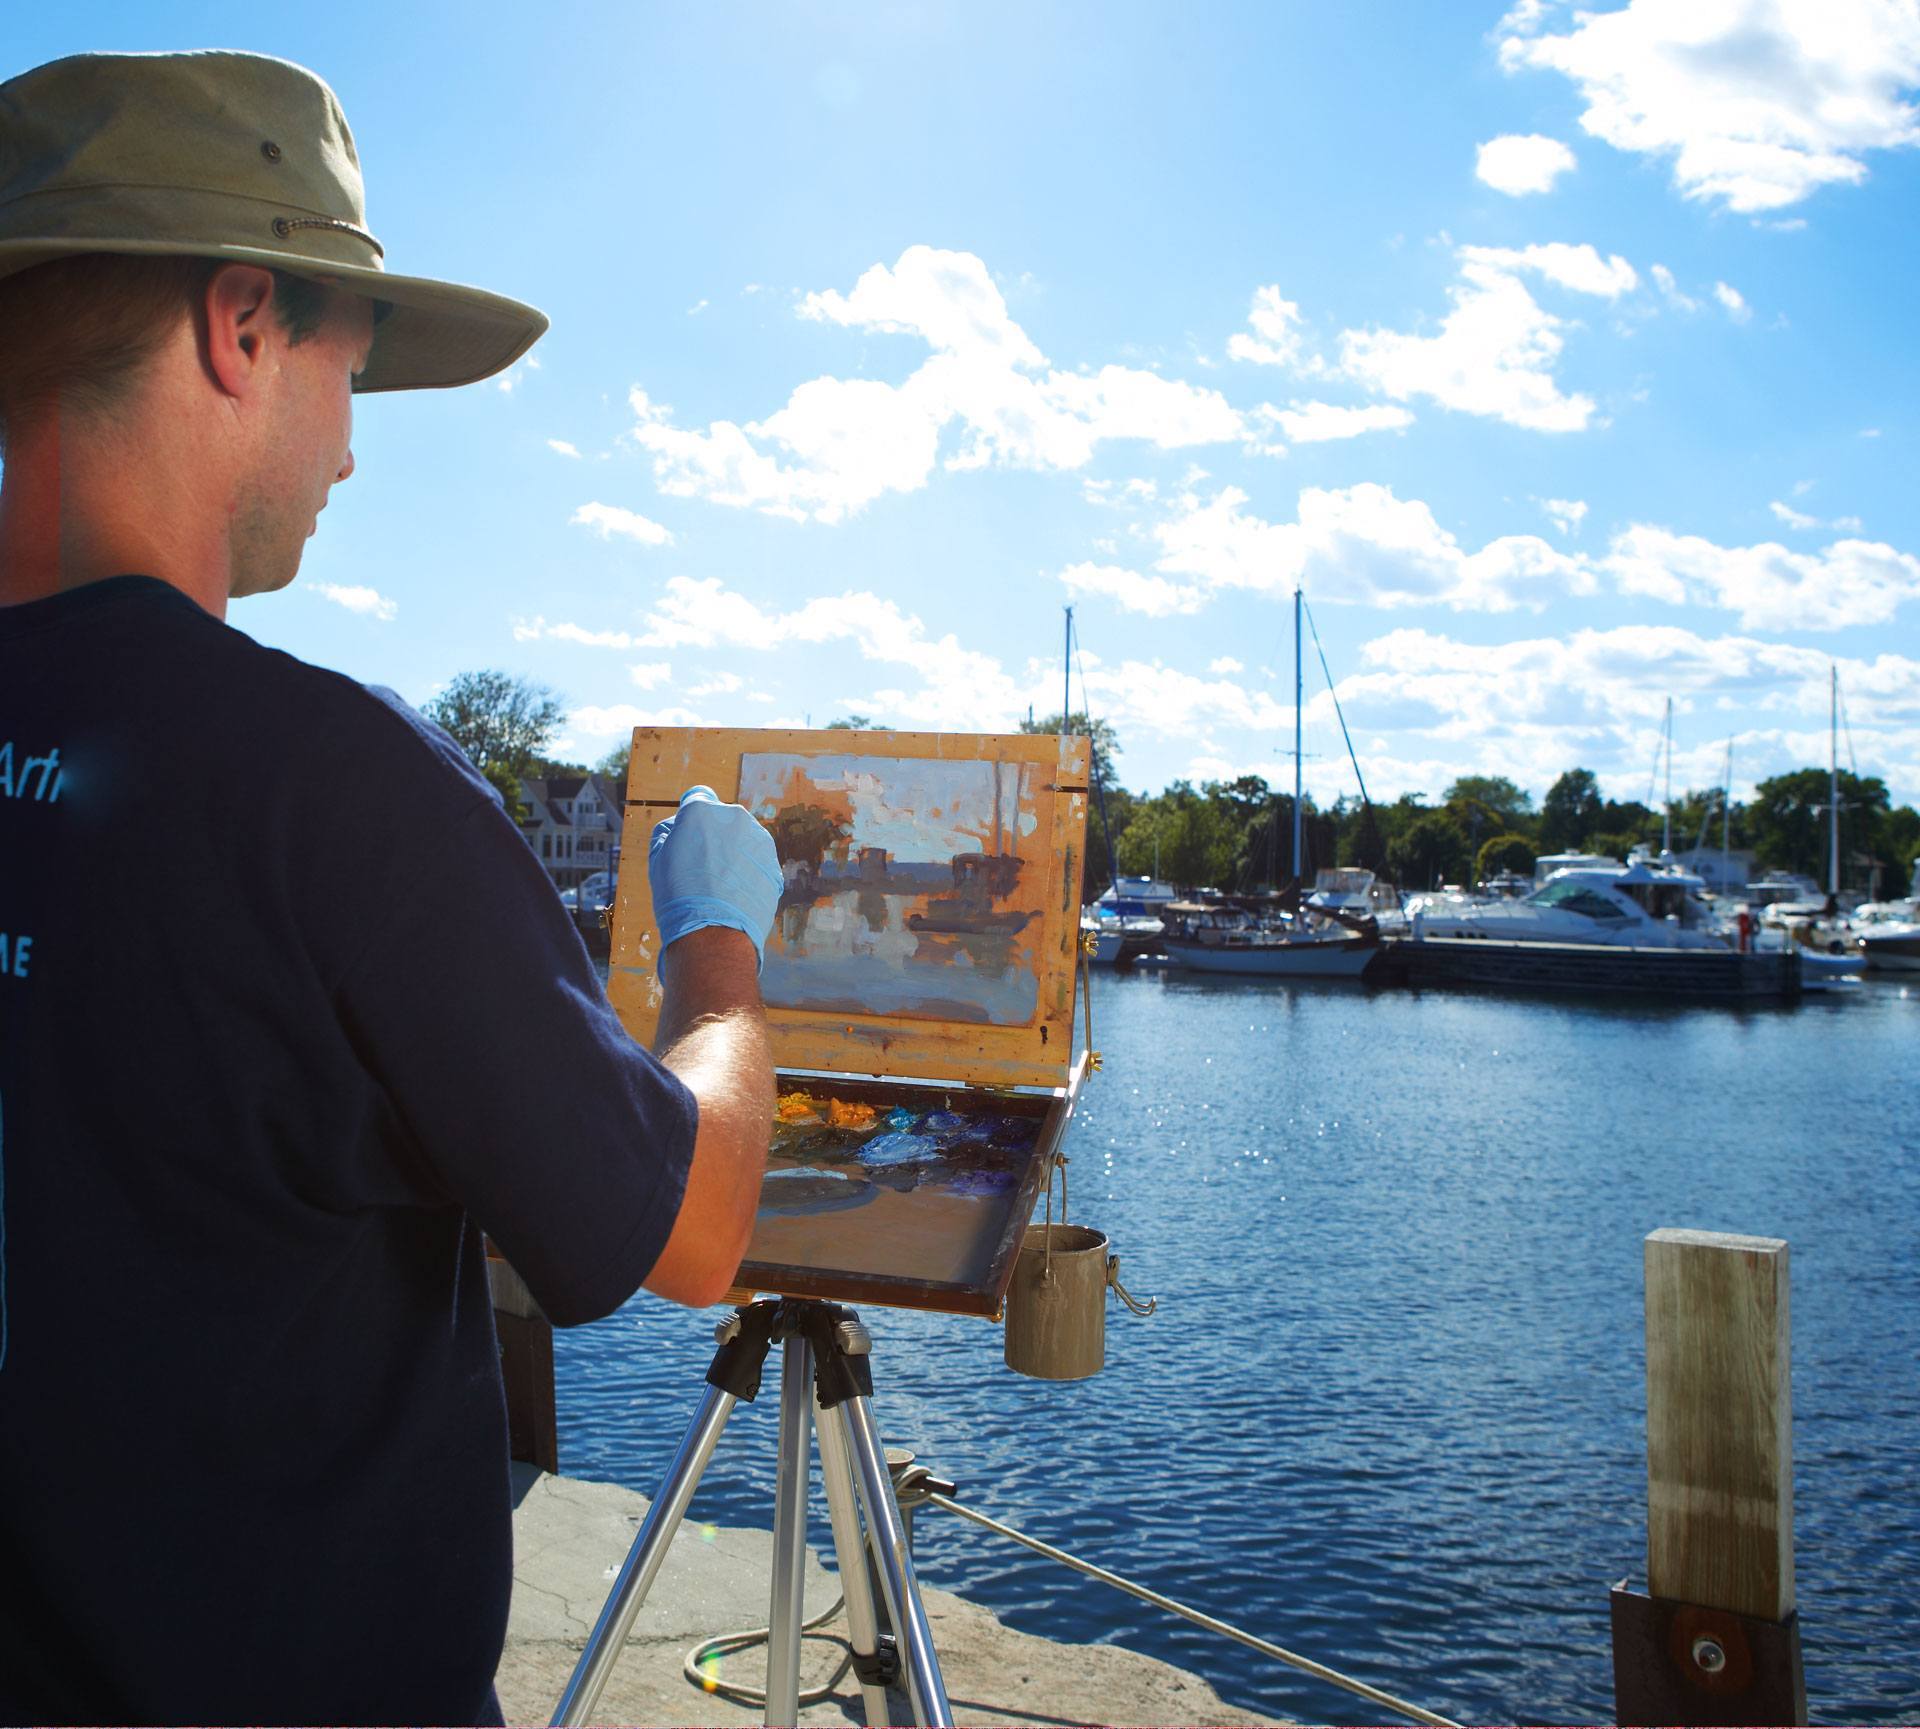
x,y
896,1149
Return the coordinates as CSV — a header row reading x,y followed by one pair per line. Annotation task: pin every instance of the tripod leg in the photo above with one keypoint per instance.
x,y
649,1549
851,1556
790,1532
888,1532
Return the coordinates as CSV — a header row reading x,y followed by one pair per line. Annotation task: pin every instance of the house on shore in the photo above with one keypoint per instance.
x,y
572,823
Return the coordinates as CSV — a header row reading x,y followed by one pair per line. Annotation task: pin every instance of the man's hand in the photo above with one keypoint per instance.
x,y
713,1035
712,864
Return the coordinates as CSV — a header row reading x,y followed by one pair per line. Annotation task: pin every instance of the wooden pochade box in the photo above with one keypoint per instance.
x,y
919,985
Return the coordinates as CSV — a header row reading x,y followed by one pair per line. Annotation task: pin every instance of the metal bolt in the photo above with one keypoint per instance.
x,y
270,150
1707,1652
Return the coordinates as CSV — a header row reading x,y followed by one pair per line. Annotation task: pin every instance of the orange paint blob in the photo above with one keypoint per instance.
x,y
795,1108
849,1114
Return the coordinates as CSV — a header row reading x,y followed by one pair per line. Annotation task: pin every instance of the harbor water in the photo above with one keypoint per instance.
x,y
1391,1412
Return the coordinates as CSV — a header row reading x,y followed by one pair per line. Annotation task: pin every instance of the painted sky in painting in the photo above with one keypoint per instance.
x,y
1565,355
916,808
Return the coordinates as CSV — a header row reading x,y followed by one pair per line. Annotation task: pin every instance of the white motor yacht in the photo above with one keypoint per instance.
x,y
1125,920
1625,906
1212,938
1887,934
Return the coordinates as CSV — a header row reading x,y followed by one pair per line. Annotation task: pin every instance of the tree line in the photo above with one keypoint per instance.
x,y
1237,835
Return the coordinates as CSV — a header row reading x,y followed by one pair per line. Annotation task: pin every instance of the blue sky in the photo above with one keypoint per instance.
x,y
1566,359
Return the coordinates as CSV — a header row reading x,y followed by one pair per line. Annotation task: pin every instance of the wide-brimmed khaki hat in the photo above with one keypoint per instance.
x,y
233,156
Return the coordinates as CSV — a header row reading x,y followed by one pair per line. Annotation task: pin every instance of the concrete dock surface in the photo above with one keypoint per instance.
x,y
570,1538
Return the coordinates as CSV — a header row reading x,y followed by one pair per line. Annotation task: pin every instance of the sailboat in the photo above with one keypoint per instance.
x,y
1217,937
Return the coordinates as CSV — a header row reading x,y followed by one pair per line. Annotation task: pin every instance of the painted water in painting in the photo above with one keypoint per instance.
x,y
903,1188
914,886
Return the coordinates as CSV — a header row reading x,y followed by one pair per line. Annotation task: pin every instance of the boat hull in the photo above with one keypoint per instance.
x,y
1346,958
1594,968
1892,954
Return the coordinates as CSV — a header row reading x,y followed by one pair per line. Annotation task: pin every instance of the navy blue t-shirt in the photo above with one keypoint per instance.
x,y
289,1014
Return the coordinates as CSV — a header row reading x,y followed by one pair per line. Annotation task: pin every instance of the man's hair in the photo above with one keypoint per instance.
x,y
79,330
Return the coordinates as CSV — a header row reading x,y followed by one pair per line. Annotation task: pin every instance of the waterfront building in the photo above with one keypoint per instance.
x,y
572,822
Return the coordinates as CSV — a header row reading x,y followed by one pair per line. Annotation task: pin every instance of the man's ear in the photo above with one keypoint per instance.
x,y
240,327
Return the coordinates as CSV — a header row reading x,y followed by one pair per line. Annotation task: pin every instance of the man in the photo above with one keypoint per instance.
x,y
288,1011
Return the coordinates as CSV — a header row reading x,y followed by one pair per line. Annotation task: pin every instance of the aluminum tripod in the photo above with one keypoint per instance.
x,y
824,1376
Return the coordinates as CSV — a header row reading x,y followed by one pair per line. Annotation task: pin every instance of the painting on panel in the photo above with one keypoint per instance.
x,y
915,1199
913,886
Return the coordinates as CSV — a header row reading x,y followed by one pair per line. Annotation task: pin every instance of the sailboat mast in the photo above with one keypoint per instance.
x,y
1833,794
1726,818
1296,737
1666,809
1066,675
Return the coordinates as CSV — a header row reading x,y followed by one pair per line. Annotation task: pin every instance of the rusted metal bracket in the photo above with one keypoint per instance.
x,y
1679,1663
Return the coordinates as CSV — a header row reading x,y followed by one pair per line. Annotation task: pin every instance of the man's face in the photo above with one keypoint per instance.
x,y
305,447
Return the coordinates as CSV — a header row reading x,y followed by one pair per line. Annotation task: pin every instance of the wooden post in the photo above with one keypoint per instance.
x,y
1716,1639
526,1367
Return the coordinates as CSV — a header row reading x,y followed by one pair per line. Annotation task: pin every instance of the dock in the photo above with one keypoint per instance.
x,y
570,1536
1691,975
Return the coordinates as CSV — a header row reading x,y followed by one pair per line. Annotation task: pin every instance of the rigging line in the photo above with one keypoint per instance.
x,y
1846,726
1212,1623
1327,672
1093,753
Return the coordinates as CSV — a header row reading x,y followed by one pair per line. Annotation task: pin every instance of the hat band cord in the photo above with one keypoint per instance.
x,y
284,227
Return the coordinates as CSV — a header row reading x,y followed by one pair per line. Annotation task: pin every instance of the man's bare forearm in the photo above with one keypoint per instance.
x,y
713,1035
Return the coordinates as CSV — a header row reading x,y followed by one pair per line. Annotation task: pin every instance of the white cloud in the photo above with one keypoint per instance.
x,y
1757,103
1496,351
698,307
1519,163
1316,422
959,687
1579,268
1566,514
1361,544
1851,582
368,602
1152,595
1663,280
1176,704
1791,517
607,520
560,447
839,444
620,718
947,299
1734,302
1276,338
1225,664
649,674
535,629
720,684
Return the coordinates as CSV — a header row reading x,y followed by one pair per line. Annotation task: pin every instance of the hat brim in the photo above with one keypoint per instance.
x,y
436,335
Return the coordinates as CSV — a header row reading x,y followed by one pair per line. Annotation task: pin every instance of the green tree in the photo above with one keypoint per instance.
x,y
1787,820
852,723
1494,794
615,762
1505,852
1570,812
501,721
1429,851
1106,742
1190,836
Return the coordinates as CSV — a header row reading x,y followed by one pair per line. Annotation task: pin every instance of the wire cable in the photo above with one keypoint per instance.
x,y
731,1644
1212,1623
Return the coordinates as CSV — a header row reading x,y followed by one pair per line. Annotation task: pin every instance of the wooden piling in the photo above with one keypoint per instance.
x,y
1716,1639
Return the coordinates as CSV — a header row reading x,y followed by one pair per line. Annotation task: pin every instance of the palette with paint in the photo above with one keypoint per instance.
x,y
919,988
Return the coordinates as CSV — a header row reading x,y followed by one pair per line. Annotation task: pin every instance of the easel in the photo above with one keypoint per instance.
x,y
824,1374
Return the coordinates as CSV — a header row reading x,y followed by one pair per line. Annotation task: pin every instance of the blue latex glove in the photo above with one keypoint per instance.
x,y
713,864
